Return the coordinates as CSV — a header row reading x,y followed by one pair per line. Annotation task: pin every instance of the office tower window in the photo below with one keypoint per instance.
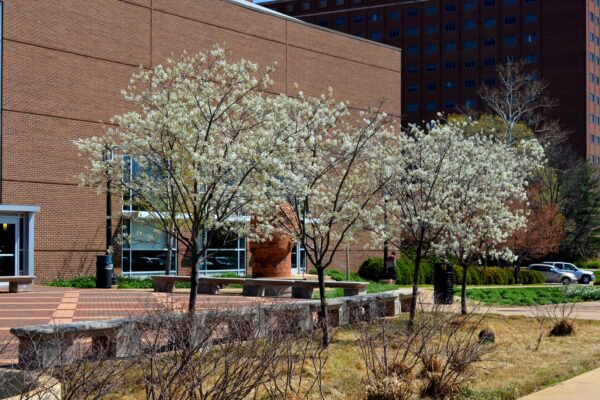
x,y
394,33
324,23
289,8
592,138
449,105
449,27
489,22
489,42
431,67
511,20
531,58
470,83
450,85
431,29
412,88
340,21
470,103
430,87
412,31
412,107
376,17
431,106
305,6
358,19
470,64
489,62
340,2
489,3
412,69
394,15
450,46
510,40
412,12
531,38
530,18
470,44
469,25
375,35
412,50
450,7
431,10
431,48
470,5
510,2
489,81
450,65
322,3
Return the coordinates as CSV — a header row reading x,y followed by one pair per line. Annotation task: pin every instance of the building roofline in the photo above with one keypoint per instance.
x,y
257,7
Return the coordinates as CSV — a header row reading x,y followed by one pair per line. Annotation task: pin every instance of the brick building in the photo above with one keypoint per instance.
x,y
64,64
451,47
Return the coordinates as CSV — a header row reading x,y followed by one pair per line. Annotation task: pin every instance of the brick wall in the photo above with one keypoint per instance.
x,y
66,62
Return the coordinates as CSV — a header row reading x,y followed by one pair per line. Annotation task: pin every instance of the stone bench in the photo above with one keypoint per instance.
x,y
18,284
304,289
43,346
268,287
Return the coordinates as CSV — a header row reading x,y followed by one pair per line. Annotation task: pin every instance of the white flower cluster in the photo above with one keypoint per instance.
x,y
210,144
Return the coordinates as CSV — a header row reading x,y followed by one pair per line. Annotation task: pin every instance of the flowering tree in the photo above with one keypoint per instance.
x,y
208,142
489,189
337,170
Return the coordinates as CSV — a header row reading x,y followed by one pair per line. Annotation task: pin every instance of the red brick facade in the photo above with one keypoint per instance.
x,y
65,63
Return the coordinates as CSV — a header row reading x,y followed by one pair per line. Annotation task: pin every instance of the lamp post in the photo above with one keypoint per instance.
x,y
105,276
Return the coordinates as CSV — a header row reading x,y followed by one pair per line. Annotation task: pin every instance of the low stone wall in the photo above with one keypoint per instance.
x,y
41,346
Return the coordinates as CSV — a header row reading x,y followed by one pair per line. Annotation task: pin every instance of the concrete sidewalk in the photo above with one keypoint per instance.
x,y
583,387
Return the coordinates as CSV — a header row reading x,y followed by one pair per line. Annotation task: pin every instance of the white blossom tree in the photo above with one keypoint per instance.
x,y
337,171
209,143
486,203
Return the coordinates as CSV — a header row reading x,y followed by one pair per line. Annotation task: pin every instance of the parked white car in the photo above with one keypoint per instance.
x,y
583,276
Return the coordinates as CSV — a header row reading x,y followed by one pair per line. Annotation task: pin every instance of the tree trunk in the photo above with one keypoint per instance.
x,y
463,291
169,258
415,289
194,275
323,315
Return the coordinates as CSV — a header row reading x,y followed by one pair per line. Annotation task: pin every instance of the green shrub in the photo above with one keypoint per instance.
x,y
528,277
80,282
134,283
590,264
372,269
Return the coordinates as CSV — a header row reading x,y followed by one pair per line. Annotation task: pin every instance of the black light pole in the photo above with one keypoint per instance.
x,y
109,236
105,276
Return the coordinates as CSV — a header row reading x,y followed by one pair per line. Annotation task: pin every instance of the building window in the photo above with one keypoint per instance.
x,y
375,35
431,48
305,6
431,106
375,17
412,12
489,42
322,3
412,31
489,62
431,10
470,103
531,38
226,253
470,83
510,2
489,3
470,64
394,33
430,87
450,46
340,21
489,22
412,88
469,25
289,8
412,69
450,7
470,5
340,2
449,105
489,81
470,44
358,19
412,107
510,40
592,138
394,15
412,50
324,23
450,65
431,29
449,27
145,253
511,20
450,85
530,18
530,58
431,67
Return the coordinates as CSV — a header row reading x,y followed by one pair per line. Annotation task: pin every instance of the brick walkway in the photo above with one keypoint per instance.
x,y
46,305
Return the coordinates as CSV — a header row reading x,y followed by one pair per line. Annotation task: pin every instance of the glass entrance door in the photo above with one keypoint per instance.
x,y
9,246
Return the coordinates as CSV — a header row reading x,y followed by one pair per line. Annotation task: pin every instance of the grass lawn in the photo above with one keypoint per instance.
x,y
527,296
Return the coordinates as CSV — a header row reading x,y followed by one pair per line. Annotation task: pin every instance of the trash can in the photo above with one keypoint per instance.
x,y
443,283
104,272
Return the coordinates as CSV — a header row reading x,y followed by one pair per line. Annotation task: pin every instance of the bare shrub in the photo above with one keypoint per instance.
x,y
435,357
561,315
